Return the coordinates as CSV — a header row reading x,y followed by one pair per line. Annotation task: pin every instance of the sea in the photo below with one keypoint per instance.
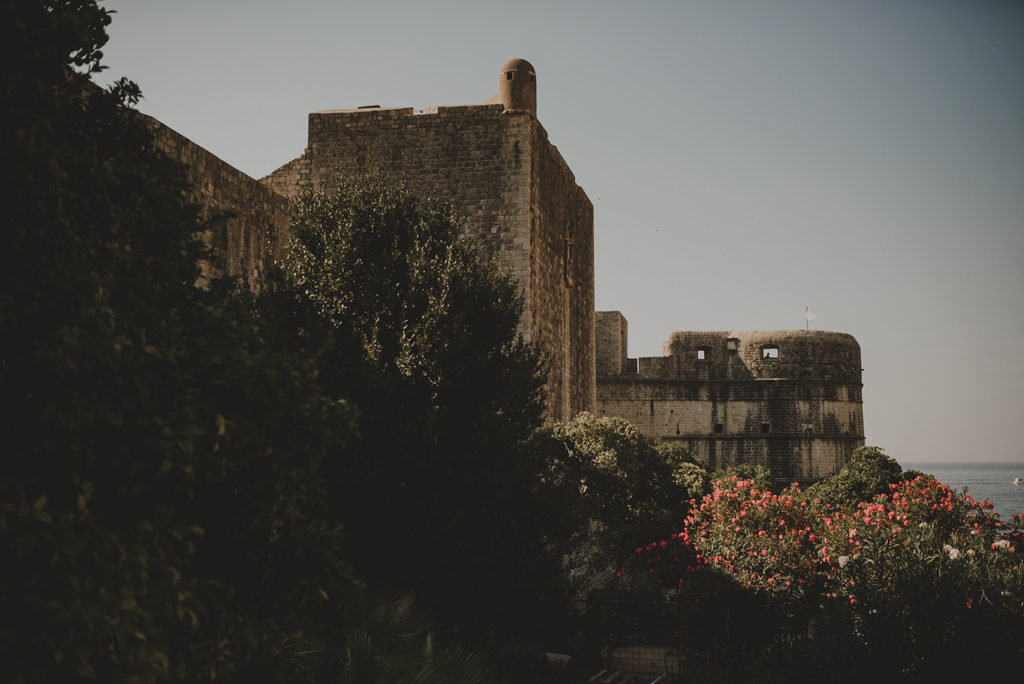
x,y
992,481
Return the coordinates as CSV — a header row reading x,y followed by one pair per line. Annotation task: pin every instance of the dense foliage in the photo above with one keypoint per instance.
x,y
916,581
160,503
187,484
403,318
606,486
869,472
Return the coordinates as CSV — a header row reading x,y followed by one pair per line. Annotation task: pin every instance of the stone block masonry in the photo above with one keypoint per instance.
x,y
248,222
517,198
787,399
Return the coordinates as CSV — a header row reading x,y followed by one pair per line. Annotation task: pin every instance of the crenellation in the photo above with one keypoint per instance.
x,y
789,399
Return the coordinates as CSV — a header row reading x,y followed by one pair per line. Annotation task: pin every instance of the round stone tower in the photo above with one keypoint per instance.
x,y
517,86
787,399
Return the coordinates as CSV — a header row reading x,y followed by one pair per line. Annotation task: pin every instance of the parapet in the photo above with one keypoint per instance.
x,y
731,355
764,354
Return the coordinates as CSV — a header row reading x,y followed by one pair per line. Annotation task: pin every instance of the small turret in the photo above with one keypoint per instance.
x,y
517,86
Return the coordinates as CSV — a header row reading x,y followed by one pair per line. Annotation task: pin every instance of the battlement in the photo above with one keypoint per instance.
x,y
762,354
788,399
730,355
377,112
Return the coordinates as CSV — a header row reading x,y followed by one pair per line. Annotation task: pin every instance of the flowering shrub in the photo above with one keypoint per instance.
x,y
908,578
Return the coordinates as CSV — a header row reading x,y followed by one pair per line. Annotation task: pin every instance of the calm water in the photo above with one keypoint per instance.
x,y
992,481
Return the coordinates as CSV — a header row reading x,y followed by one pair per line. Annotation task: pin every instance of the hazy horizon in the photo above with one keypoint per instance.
x,y
745,159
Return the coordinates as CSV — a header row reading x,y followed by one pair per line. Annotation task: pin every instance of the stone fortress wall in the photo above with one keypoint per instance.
x,y
518,199
787,399
248,222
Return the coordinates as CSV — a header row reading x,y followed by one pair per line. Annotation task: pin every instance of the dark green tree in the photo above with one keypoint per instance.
x,y
868,472
403,317
161,503
760,474
613,490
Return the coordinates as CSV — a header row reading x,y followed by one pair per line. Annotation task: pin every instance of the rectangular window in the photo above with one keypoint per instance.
x,y
719,428
703,353
766,428
770,351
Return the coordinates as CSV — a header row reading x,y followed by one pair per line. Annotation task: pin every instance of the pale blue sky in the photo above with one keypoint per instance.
x,y
746,159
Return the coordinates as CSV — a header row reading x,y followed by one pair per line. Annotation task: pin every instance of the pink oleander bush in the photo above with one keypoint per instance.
x,y
903,582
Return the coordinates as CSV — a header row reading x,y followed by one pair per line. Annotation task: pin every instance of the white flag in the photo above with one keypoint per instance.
x,y
810,315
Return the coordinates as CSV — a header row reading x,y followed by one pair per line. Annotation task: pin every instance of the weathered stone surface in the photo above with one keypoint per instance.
x,y
611,334
796,408
727,397
515,194
249,221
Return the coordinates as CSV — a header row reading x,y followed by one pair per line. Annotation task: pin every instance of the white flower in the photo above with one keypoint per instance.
x,y
970,552
954,553
843,560
1001,544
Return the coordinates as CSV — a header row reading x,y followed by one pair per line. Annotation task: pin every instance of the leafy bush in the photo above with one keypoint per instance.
x,y
918,580
382,291
760,475
868,472
608,485
688,471
161,506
